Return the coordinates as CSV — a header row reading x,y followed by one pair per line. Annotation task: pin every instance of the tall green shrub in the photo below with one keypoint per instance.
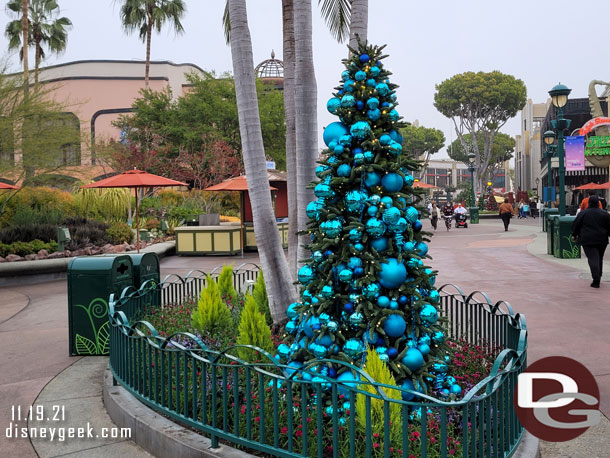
x,y
253,330
212,316
225,284
260,297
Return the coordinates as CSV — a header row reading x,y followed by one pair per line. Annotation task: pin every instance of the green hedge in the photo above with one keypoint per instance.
x,y
25,248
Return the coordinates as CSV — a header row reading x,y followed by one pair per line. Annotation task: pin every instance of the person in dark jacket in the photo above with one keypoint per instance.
x,y
592,228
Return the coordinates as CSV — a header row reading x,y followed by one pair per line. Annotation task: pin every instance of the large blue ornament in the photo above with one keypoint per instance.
x,y
394,325
375,227
369,156
311,324
359,247
345,75
382,89
372,103
321,169
394,115
400,226
347,380
348,86
374,115
409,246
364,58
371,82
331,228
417,226
344,170
361,130
371,290
333,105
428,315
291,327
411,214
374,70
354,201
334,131
356,318
392,182
413,359
380,244
383,302
409,179
358,158
353,348
360,75
395,148
322,190
438,337
348,101
391,216
338,150
327,291
345,275
291,311
393,273
345,140
354,262
355,235
372,179
306,274
422,249
385,140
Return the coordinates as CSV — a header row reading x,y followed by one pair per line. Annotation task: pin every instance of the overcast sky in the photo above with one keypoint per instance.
x,y
428,42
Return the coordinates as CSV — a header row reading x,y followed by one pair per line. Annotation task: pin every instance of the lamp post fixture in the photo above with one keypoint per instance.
x,y
471,158
549,153
537,189
559,96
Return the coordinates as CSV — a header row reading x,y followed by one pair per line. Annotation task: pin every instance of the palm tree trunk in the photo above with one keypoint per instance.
x,y
37,64
24,31
358,22
277,276
306,114
148,38
289,112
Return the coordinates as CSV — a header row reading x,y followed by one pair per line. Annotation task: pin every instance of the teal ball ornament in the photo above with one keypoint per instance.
x,y
345,275
331,228
385,140
360,130
383,353
392,352
387,201
455,389
393,97
293,366
382,89
333,131
347,380
438,337
424,348
306,274
371,291
393,305
394,325
409,179
409,246
374,115
348,86
391,216
375,227
332,326
364,58
392,182
400,226
421,248
372,103
354,262
324,317
440,367
393,273
434,296
369,156
374,199
371,82
322,168
395,148
414,263
354,201
331,146
372,210
358,158
291,327
311,324
374,70
333,105
359,247
357,150
380,244
332,160
353,348
291,311
345,140
411,214
408,385
417,226
360,75
431,277
372,179
344,170
345,75
320,351
323,190
393,115
413,359
283,351
327,291
325,340
358,272
428,315
355,235
307,296
383,302
396,136
356,319
338,150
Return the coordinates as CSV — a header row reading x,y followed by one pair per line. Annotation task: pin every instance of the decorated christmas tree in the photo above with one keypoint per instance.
x,y
367,283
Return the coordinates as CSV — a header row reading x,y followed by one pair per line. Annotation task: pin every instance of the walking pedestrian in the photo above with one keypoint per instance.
x,y
521,204
591,229
435,214
506,213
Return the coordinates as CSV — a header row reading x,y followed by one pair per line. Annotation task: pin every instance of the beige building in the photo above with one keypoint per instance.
x,y
527,145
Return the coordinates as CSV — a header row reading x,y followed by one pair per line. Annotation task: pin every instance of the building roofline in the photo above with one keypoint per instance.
x,y
121,61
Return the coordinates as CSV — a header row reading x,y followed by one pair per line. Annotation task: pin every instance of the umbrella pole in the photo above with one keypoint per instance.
x,y
137,223
242,213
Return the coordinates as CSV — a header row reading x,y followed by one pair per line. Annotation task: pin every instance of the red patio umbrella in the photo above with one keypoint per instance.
x,y
587,186
421,184
237,184
135,179
7,186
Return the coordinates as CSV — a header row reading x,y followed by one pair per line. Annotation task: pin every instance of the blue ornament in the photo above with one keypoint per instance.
x,y
325,340
372,179
332,326
385,140
392,182
440,367
417,226
359,247
424,348
393,97
322,190
306,274
353,348
394,325
354,201
333,105
408,385
364,58
409,246
425,339
455,389
374,115
394,115
327,291
291,327
380,244
383,353
291,311
395,148
348,86
355,235
395,136
438,337
332,160
375,227
348,307
328,253
387,201
358,158
321,169
345,140
391,216
307,297
371,290
347,380
374,199
361,130
403,300
422,249
371,82
392,352
372,103
383,302
434,296
345,275
354,262
344,170
356,318
393,305
413,359
428,314
400,226
358,272
357,150
360,75
374,70
372,210
338,150
359,104
369,156
414,263
292,367
345,75
311,324
382,89
393,273
385,104
283,351
333,131
411,214
331,228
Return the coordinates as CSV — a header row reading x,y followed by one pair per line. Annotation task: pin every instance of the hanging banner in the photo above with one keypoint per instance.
x,y
575,153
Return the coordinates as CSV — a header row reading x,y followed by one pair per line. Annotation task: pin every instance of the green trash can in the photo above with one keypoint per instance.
x,y
563,246
91,280
145,267
474,215
548,212
550,233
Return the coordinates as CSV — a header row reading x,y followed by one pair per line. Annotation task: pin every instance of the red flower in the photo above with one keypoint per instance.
x,y
284,430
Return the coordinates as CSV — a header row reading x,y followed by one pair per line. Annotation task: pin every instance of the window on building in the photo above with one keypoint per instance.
x,y
52,140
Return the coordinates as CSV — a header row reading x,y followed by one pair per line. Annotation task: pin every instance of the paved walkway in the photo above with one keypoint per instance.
x,y
564,315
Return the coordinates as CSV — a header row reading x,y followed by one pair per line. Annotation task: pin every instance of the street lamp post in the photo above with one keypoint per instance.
x,y
471,158
559,96
549,139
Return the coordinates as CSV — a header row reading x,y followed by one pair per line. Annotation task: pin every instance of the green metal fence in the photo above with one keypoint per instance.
x,y
287,412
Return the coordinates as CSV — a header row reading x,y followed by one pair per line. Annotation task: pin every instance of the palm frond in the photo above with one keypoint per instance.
x,y
226,22
337,14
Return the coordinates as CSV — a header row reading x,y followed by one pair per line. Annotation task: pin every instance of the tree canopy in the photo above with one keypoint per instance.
x,y
501,151
420,142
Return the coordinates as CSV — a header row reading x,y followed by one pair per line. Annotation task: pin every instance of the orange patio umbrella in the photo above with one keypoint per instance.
x,y
237,184
421,184
7,186
135,179
587,186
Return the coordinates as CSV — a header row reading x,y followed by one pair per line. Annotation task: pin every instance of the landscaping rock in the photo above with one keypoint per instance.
x,y
13,258
41,256
44,253
30,257
117,249
2,259
88,251
57,255
106,248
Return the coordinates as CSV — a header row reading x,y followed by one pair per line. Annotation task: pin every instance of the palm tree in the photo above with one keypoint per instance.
x,y
43,29
143,15
358,22
17,32
277,277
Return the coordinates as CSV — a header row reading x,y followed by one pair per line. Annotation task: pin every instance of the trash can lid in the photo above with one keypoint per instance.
x,y
98,264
